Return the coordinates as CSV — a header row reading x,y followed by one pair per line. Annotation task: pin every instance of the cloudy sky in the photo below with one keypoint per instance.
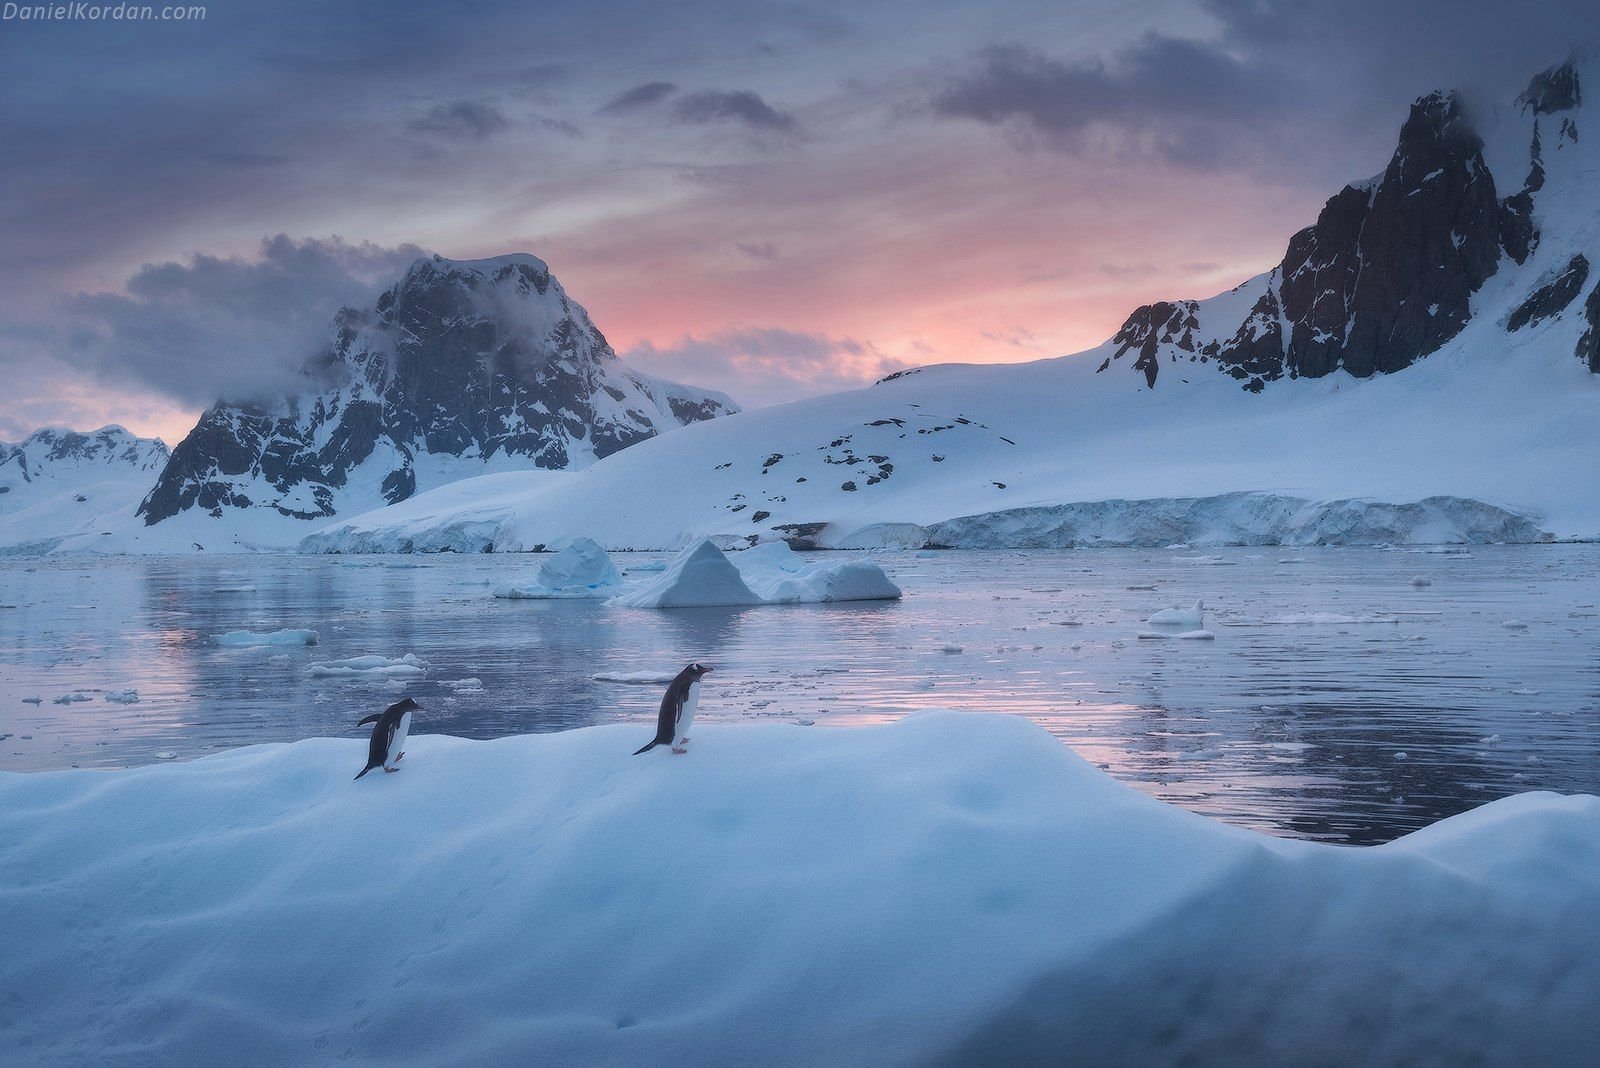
x,y
774,199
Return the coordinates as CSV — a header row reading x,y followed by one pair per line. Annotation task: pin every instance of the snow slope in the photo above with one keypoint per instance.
x,y
947,889
59,483
1395,400
1510,421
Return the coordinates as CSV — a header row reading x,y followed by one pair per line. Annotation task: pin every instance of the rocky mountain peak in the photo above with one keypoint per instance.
x,y
458,367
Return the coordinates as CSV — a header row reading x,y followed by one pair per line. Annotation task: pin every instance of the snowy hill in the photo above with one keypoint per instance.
x,y
460,368
59,483
947,889
1421,366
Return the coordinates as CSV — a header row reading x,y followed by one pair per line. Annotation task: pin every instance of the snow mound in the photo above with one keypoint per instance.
x,y
410,664
700,576
779,896
1193,616
242,639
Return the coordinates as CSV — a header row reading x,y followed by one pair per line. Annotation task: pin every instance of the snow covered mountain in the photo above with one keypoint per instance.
x,y
1422,365
59,483
461,367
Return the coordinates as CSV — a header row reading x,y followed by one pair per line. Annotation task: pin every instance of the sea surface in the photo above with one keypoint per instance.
x,y
1339,700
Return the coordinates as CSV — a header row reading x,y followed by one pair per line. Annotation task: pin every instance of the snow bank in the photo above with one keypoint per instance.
x,y
248,638
371,665
765,574
582,569
949,888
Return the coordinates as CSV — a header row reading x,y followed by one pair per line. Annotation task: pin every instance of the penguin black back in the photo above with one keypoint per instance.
x,y
383,735
672,704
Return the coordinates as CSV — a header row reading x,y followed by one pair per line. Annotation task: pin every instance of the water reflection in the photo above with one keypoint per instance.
x,y
1337,702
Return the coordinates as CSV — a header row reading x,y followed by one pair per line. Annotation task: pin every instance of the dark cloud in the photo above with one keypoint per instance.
x,y
638,97
738,106
225,326
767,365
462,120
766,250
1282,84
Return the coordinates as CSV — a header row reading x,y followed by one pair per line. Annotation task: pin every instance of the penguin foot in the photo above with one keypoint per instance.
x,y
391,771
678,750
399,758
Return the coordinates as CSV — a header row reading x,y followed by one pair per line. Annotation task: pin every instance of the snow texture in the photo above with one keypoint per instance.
x,y
951,888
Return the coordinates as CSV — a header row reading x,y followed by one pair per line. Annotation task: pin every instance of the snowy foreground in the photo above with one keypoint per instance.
x,y
951,888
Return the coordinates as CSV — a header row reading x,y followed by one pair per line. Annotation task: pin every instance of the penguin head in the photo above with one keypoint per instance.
x,y
406,705
698,669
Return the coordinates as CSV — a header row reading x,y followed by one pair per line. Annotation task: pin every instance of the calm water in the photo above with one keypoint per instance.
x,y
1398,705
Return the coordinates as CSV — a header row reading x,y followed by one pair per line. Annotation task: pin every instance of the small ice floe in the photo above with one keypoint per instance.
x,y
72,698
1210,753
1189,635
166,754
1315,619
635,678
233,589
122,697
1525,692
1420,581
1514,624
1147,588
368,667
467,685
1402,755
1192,617
1489,739
244,639
951,650
33,700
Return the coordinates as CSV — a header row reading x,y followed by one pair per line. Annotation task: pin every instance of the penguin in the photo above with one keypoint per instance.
x,y
389,736
677,710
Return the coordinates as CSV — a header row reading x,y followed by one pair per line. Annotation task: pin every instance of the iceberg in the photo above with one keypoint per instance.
x,y
780,896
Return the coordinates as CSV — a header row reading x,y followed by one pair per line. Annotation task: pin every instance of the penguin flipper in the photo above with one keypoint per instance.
x,y
649,747
370,719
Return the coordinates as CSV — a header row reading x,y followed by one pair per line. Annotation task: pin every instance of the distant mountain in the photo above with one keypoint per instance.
x,y
1420,366
1389,272
59,482
460,368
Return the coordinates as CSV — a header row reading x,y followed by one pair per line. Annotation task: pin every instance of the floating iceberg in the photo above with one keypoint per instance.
x,y
765,574
700,576
410,664
1193,616
582,569
780,896
240,639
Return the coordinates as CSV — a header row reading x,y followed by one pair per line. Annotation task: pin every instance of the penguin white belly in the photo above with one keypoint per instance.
x,y
398,745
686,719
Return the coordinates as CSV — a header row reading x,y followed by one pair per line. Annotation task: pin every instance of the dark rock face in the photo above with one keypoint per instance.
x,y
1556,89
1589,343
1393,277
1552,297
1386,274
467,361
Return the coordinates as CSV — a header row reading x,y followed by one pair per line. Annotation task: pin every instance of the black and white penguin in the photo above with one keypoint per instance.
x,y
677,709
389,736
